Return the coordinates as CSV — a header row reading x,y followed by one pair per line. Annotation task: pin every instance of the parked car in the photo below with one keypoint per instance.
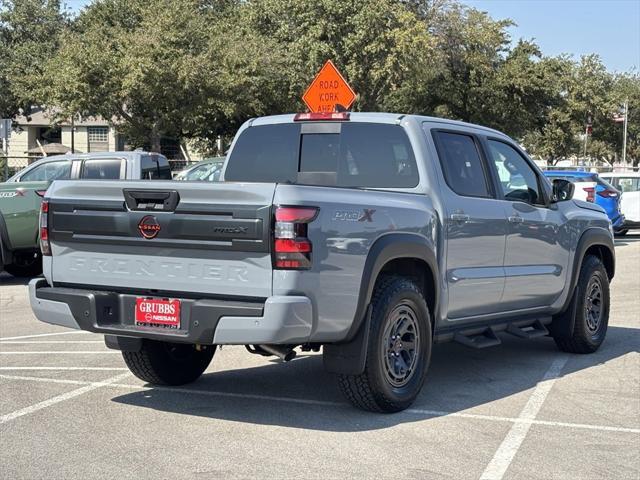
x,y
208,170
597,190
629,184
448,251
20,197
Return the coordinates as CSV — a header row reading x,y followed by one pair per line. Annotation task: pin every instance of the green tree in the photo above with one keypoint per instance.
x,y
162,68
380,46
29,33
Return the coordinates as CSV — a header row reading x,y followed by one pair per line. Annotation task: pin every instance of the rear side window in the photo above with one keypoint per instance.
x,y
365,155
102,169
267,153
461,164
48,172
155,167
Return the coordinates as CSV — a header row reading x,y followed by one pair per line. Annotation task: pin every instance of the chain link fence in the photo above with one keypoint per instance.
x,y
9,166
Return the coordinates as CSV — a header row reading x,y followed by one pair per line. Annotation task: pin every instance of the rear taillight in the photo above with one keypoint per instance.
x,y
45,247
590,194
291,245
608,193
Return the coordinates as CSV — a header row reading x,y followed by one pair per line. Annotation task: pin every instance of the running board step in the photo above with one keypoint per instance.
x,y
535,330
487,338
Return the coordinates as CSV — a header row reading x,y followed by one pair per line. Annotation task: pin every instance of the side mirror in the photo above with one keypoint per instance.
x,y
562,190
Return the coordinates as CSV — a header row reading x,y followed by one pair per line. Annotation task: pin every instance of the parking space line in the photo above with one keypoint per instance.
x,y
62,352
76,332
507,450
59,398
413,411
48,367
28,342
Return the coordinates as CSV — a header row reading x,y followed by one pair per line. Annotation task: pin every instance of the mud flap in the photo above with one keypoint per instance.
x,y
124,344
349,358
563,323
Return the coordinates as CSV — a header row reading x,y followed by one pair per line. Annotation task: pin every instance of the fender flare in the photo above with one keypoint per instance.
x,y
349,357
563,323
6,252
589,238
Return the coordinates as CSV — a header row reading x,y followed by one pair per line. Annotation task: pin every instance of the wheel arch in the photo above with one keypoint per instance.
x,y
593,241
406,254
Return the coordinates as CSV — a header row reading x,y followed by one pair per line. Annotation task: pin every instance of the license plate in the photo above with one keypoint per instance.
x,y
158,311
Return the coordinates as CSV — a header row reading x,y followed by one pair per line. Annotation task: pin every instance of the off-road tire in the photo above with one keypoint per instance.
x,y
164,363
372,390
582,339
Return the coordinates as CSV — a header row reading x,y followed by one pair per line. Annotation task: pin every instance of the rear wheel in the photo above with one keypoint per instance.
x,y
591,313
398,351
25,265
164,363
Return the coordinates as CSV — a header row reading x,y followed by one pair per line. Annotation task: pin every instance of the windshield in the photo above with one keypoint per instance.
x,y
208,172
627,184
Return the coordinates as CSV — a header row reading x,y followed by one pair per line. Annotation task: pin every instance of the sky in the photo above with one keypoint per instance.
x,y
610,28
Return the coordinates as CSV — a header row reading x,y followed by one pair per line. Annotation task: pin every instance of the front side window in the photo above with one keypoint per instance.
x,y
461,164
101,169
48,172
518,180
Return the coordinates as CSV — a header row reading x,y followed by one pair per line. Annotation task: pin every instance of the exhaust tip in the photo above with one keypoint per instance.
x,y
285,353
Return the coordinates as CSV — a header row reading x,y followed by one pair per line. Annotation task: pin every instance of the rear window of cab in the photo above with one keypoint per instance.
x,y
349,154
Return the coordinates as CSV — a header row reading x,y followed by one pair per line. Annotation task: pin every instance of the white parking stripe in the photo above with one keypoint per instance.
x,y
507,450
59,398
29,342
304,401
61,352
73,332
66,368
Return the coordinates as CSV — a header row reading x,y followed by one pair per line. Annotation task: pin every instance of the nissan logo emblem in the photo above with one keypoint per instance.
x,y
149,227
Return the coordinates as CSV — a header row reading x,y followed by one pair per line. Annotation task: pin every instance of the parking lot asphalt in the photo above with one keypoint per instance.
x,y
523,410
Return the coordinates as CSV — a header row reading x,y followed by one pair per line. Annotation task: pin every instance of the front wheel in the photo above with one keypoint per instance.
x,y
398,351
591,313
164,363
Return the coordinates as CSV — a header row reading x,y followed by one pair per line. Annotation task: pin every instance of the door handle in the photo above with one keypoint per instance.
x,y
460,217
516,219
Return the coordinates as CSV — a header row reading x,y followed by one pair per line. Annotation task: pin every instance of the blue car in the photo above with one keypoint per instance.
x,y
591,188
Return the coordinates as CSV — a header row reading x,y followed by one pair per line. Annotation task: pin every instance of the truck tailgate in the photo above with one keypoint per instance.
x,y
169,237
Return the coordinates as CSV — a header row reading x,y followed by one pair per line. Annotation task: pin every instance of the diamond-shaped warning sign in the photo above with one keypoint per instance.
x,y
329,91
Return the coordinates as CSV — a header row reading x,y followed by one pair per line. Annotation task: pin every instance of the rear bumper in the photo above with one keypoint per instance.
x,y
278,320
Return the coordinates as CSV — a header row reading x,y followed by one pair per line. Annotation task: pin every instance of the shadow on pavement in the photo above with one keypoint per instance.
x,y
459,379
6,279
626,240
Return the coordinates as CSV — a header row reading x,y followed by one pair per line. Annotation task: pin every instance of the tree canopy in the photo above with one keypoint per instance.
x,y
196,69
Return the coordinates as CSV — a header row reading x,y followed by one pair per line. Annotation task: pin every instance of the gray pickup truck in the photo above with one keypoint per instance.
x,y
456,236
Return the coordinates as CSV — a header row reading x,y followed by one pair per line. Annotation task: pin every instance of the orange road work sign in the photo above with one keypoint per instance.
x,y
329,91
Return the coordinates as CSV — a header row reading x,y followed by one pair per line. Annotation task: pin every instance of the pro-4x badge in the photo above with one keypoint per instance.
x,y
149,227
367,215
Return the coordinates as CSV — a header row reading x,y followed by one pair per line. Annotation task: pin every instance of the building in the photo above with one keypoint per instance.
x,y
30,135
